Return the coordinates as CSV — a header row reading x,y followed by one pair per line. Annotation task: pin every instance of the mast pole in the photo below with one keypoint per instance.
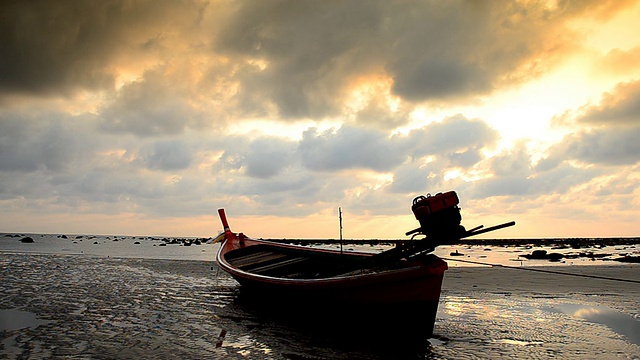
x,y
340,215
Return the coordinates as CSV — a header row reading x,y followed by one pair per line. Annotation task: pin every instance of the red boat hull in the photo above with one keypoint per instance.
x,y
414,283
411,289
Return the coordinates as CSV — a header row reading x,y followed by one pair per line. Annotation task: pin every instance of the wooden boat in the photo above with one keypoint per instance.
x,y
407,279
288,274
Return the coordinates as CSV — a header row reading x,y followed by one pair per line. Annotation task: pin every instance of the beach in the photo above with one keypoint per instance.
x,y
70,304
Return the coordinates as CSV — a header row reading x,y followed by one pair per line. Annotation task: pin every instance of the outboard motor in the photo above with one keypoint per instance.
x,y
439,215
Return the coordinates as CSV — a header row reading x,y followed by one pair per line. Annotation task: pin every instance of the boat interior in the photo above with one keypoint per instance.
x,y
278,261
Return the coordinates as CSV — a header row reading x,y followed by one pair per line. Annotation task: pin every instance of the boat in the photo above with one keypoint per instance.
x,y
407,278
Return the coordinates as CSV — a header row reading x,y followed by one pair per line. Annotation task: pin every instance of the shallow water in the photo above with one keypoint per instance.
x,y
532,328
172,248
617,321
13,319
105,307
107,246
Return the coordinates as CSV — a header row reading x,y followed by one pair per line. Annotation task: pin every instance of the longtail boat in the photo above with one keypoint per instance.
x,y
407,278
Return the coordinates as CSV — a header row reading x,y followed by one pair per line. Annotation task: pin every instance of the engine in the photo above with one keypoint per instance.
x,y
439,215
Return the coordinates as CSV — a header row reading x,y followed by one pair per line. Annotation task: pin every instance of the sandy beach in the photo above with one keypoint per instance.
x,y
57,305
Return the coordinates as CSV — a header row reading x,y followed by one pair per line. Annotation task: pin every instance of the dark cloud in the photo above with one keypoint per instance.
x,y
456,140
136,191
285,58
411,178
348,148
609,147
561,179
464,159
155,105
512,162
622,106
438,78
268,156
558,180
55,47
167,156
58,162
377,112
279,172
30,144
612,137
62,47
261,158
453,137
512,173
314,52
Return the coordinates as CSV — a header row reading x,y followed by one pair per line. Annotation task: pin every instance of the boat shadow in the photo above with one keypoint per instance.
x,y
365,332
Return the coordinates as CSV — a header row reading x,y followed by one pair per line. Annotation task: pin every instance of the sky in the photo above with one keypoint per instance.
x,y
145,117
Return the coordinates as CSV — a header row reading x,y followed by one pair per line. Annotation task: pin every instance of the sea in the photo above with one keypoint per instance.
x,y
138,297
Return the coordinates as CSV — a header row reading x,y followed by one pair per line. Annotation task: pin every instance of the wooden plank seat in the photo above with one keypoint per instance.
x,y
277,265
255,259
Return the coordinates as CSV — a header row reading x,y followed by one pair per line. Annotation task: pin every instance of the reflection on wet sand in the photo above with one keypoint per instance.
x,y
329,329
622,324
14,319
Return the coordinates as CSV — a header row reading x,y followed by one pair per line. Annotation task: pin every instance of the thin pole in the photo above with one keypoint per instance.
x,y
340,215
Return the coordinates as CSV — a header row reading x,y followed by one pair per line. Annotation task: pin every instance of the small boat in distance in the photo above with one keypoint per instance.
x,y
406,279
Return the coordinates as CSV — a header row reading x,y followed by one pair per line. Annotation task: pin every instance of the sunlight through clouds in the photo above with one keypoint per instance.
x,y
282,111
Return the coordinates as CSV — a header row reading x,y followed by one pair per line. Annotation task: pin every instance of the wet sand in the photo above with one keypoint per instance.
x,y
517,280
106,308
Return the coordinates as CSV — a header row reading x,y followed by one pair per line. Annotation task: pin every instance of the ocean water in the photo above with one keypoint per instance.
x,y
97,298
174,249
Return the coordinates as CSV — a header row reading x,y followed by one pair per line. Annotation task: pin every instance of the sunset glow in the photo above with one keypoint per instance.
x,y
146,118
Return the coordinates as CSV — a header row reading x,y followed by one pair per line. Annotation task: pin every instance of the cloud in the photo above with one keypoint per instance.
x,y
453,137
157,104
411,178
610,139
327,167
167,156
322,165
53,48
29,144
348,148
378,111
268,156
609,147
494,45
311,58
128,106
512,162
62,48
618,61
558,180
309,53
262,157
622,106
513,173
286,59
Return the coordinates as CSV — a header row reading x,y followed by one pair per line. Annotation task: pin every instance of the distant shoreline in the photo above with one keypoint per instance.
x,y
570,242
574,242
